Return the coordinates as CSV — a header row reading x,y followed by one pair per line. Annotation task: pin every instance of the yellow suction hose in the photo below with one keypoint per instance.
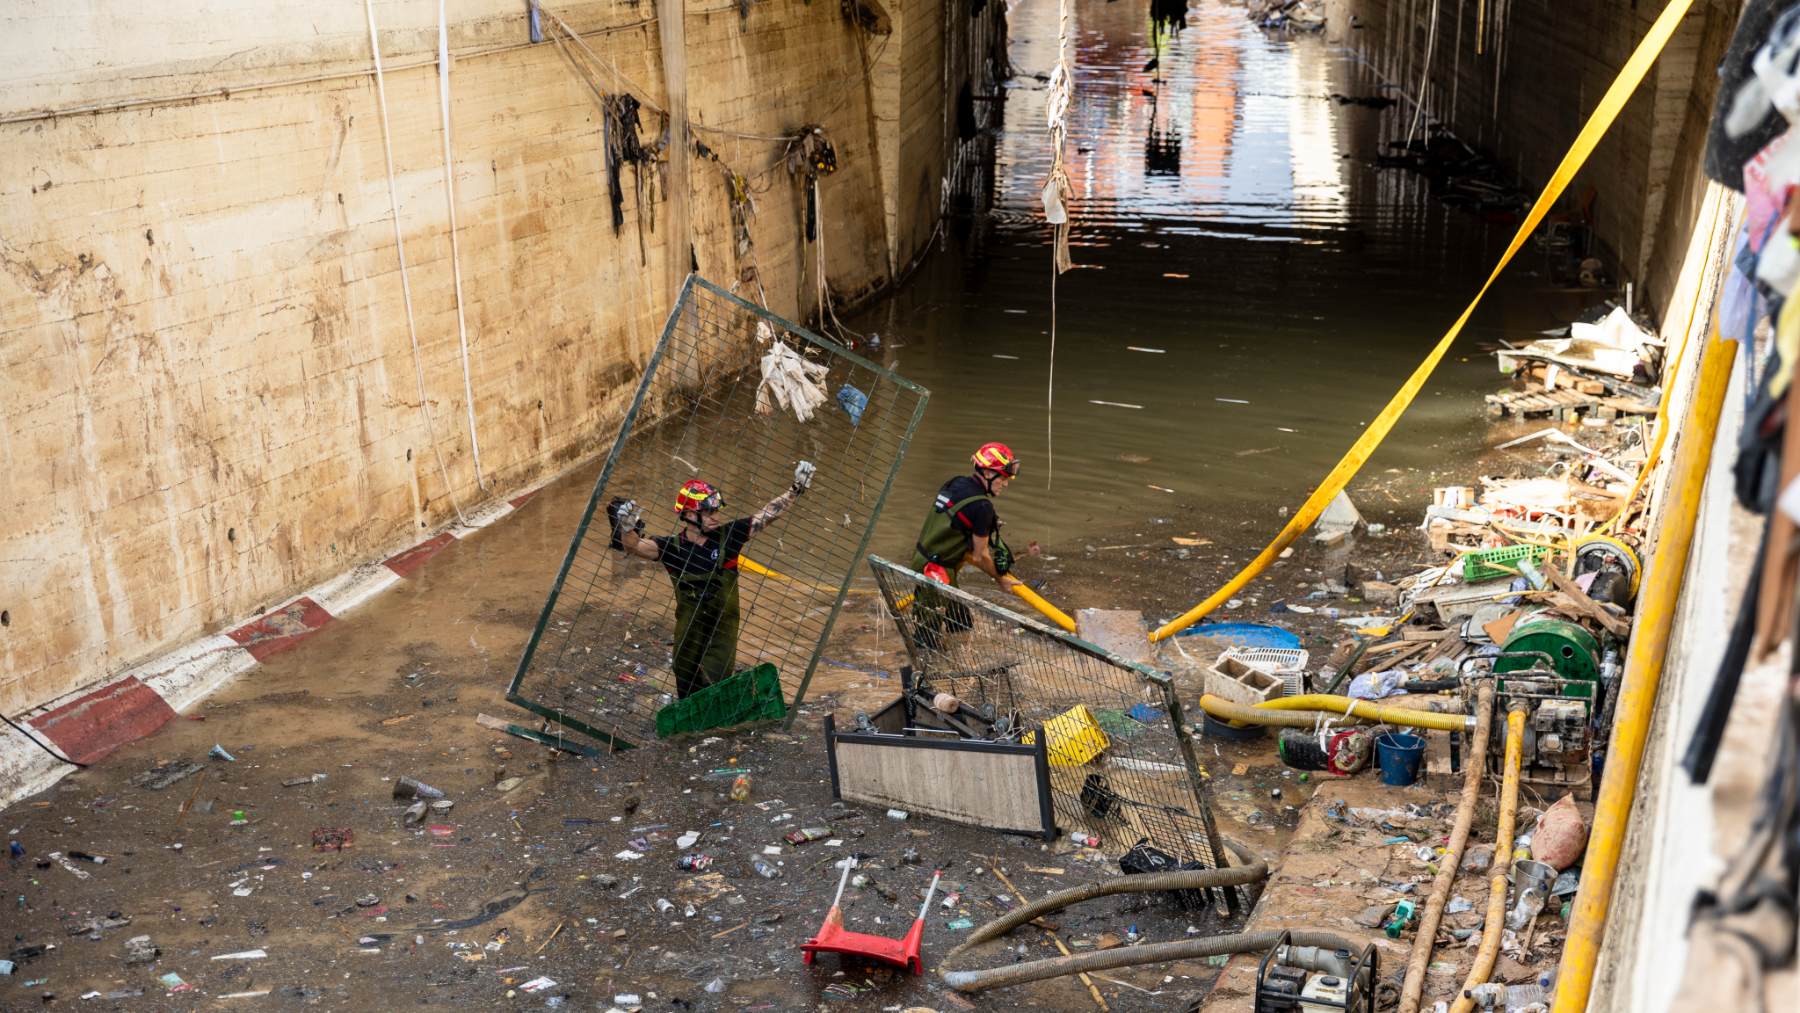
x,y
1231,710
1492,929
1362,709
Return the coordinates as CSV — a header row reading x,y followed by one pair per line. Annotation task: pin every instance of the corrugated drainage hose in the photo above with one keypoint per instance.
x,y
1495,925
1474,765
1129,956
1251,869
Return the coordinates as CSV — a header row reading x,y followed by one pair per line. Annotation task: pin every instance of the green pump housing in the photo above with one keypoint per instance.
x,y
1574,652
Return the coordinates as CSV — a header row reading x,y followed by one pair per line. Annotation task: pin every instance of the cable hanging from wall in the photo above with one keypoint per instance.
x,y
462,327
1057,196
412,329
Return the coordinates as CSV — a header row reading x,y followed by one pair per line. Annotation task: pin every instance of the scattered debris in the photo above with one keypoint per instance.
x,y
332,838
140,950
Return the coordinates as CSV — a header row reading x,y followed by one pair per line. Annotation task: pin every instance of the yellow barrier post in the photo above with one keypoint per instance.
x,y
1642,679
1630,76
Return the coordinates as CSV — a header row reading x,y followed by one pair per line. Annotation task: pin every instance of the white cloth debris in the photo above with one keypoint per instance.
x,y
1376,685
789,380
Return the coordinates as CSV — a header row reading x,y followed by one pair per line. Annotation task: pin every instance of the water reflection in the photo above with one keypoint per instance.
x,y
1248,290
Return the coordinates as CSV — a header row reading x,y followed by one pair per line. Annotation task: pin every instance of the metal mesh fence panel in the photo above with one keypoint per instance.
x,y
603,657
1122,765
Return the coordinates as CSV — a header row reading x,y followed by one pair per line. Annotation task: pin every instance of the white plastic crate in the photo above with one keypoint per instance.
x,y
1289,664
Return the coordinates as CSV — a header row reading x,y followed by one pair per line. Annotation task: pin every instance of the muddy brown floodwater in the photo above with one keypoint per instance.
x,y
1247,282
520,881
1249,290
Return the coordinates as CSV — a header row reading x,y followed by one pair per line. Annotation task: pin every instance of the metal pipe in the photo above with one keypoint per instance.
x,y
1130,956
1643,677
1495,925
1473,767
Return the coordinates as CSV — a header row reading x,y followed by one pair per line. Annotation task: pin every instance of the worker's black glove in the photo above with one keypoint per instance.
x,y
623,515
803,476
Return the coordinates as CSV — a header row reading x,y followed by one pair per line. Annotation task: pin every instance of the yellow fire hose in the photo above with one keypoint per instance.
x,y
1642,678
1051,612
746,563
1032,598
1503,844
1630,76
1305,712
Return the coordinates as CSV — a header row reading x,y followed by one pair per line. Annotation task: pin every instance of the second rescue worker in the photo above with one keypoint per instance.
x,y
963,527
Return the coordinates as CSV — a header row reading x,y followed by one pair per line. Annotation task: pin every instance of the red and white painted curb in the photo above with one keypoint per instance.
x,y
90,723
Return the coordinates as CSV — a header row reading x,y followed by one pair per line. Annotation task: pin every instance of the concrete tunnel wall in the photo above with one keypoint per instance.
x,y
209,398
1519,78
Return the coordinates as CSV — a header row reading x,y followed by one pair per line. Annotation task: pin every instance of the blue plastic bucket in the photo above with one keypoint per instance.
x,y
1398,755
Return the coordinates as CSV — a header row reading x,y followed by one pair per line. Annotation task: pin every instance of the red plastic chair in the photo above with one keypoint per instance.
x,y
834,938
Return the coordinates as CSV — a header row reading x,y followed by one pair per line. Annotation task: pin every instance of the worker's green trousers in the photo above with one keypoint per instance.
x,y
706,631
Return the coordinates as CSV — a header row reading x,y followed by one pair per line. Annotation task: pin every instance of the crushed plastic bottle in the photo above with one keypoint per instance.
x,y
765,869
740,788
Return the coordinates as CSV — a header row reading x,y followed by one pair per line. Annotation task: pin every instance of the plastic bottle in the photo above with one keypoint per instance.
x,y
1085,840
1520,996
740,788
1403,916
765,869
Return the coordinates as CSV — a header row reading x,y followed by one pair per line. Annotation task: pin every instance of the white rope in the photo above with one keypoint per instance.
x,y
412,330
462,328
1057,194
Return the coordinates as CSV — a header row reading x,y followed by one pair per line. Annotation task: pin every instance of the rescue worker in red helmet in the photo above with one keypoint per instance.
x,y
702,562
963,528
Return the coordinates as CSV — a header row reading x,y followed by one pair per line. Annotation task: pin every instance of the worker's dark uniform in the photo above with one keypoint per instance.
x,y
963,510
705,576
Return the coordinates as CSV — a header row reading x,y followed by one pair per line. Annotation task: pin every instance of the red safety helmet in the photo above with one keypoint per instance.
x,y
697,495
997,457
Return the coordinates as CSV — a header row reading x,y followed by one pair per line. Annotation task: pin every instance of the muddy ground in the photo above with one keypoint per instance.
x,y
521,881
524,877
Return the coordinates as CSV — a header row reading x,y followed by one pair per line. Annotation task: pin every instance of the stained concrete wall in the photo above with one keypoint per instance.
x,y
1519,78
211,392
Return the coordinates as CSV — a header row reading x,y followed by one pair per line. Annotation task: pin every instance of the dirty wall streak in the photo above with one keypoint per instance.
x,y
208,397
1540,69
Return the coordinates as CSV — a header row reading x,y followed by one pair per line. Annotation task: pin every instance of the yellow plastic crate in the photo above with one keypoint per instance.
x,y
1073,737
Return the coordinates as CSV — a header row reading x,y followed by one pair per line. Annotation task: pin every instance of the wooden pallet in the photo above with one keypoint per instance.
x,y
1529,403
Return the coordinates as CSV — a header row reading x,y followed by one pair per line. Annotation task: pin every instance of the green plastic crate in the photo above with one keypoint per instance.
x,y
751,695
1492,564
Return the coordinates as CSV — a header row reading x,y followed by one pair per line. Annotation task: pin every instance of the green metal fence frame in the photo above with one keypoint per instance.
x,y
782,325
